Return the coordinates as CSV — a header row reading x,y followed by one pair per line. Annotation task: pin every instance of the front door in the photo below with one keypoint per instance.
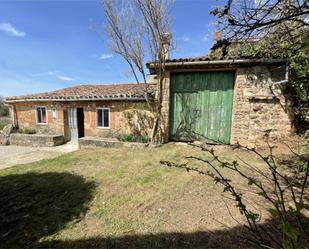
x,y
201,106
72,121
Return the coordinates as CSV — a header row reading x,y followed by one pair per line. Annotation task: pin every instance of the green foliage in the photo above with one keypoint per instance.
x,y
3,122
26,131
293,47
4,110
133,138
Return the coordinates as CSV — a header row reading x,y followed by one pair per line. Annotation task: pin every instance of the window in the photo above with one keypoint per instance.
x,y
103,117
41,115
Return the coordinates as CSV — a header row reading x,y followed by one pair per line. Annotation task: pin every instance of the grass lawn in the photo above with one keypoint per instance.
x,y
117,198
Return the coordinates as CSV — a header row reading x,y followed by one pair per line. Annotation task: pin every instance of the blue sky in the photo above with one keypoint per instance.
x,y
47,45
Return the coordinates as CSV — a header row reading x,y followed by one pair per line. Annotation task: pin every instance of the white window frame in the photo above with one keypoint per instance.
x,y
36,115
109,117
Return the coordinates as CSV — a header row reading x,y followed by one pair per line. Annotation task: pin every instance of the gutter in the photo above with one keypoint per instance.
x,y
218,62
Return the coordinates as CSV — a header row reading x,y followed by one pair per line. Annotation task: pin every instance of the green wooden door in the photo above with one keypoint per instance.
x,y
201,106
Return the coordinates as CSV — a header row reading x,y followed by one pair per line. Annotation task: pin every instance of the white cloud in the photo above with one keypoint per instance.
x,y
185,38
45,73
64,78
206,38
11,30
105,56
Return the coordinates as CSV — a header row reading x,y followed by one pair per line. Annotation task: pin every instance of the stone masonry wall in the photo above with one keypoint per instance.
x,y
257,107
126,117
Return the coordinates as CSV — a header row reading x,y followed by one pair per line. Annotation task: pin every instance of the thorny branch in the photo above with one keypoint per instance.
x,y
279,194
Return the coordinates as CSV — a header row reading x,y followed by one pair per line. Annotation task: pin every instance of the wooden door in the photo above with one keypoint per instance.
x,y
201,106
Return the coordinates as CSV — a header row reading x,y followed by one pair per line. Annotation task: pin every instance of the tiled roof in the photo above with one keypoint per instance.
x,y
132,91
200,58
219,62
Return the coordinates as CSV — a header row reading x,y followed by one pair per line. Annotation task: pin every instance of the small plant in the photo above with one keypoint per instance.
x,y
29,131
133,138
25,131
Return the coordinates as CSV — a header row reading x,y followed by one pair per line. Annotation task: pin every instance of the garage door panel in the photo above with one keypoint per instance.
x,y
201,106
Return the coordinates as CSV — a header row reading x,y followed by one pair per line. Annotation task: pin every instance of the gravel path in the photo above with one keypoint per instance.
x,y
12,155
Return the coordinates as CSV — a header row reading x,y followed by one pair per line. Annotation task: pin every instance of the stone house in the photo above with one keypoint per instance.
x,y
226,100
84,110
219,101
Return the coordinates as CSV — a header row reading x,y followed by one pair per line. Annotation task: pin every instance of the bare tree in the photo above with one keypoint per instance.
x,y
256,18
275,29
138,31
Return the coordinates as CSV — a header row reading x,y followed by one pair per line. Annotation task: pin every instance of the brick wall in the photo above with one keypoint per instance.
x,y
125,117
26,117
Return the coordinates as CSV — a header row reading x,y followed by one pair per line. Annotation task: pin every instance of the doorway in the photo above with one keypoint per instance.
x,y
80,122
75,117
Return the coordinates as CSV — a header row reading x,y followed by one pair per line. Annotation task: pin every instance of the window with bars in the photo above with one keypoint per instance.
x,y
41,115
103,120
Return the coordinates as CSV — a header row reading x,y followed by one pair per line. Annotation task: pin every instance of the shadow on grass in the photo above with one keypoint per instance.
x,y
34,205
231,238
195,240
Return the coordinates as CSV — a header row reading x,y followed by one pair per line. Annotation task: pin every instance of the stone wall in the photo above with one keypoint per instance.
x,y
126,117
36,140
165,109
25,114
256,107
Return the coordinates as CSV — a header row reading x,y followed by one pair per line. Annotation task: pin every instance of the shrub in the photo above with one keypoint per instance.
x,y
4,122
25,131
29,131
133,138
282,186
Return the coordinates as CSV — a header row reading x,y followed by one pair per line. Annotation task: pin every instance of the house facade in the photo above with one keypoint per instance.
x,y
218,101
230,100
86,110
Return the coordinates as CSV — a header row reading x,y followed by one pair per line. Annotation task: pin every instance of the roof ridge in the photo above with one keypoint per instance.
x,y
88,92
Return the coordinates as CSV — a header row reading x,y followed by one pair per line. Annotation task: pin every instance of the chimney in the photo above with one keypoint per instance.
x,y
166,42
218,36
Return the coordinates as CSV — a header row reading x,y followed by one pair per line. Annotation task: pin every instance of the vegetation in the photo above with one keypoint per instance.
x,y
4,110
272,29
4,121
121,198
25,131
133,138
282,184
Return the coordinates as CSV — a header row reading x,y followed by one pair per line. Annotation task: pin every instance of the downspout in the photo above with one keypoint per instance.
x,y
286,78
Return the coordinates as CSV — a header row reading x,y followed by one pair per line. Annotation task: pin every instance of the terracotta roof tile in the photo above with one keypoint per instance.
x,y
132,91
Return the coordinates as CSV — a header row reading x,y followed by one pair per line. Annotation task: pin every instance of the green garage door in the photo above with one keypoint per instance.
x,y
201,106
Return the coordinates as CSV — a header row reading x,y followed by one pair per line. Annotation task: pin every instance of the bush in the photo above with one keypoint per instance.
x,y
3,122
29,131
282,185
25,131
4,110
133,138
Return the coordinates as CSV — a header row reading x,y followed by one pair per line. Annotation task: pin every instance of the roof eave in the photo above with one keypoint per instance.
x,y
11,101
218,62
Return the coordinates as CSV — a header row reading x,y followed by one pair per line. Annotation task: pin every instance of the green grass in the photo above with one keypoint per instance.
x,y
114,198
